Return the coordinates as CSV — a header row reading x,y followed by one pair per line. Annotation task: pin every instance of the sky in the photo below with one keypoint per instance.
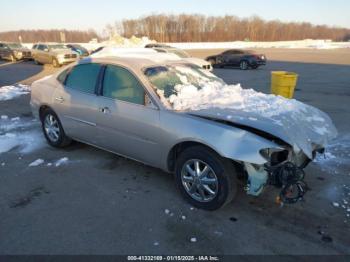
x,y
95,14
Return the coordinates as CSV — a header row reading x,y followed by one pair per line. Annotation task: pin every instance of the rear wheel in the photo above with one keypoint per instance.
x,y
243,65
205,179
53,129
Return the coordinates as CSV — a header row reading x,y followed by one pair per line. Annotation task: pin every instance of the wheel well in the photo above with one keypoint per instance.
x,y
42,109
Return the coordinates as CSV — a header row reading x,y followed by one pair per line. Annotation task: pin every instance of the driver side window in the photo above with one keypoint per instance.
x,y
119,83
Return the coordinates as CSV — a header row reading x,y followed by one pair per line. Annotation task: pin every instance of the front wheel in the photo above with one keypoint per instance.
x,y
55,62
53,129
243,65
205,179
13,58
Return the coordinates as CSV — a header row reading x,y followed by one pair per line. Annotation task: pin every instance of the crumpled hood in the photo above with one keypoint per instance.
x,y
306,130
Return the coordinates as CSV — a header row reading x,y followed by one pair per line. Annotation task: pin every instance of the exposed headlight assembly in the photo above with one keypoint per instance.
x,y
275,155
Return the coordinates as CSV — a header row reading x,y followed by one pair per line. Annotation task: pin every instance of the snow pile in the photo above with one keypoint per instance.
x,y
294,122
11,92
22,134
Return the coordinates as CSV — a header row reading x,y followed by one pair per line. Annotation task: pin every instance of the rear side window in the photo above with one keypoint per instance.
x,y
83,77
120,84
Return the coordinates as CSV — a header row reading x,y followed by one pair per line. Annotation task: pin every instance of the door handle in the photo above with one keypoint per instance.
x,y
104,110
59,99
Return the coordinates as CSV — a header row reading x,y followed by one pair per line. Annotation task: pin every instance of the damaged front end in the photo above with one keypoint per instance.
x,y
284,169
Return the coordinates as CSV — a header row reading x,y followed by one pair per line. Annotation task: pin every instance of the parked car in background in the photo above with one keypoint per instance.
x,y
53,53
245,59
14,52
126,105
153,45
184,55
97,50
82,51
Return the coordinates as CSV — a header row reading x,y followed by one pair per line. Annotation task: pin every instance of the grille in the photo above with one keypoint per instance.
x,y
26,54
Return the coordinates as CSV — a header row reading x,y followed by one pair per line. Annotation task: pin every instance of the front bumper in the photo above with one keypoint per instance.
x,y
65,61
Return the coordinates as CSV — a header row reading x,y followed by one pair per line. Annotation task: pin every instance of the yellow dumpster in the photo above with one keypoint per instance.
x,y
283,83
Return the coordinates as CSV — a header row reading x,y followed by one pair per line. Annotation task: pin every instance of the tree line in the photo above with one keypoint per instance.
x,y
201,28
32,36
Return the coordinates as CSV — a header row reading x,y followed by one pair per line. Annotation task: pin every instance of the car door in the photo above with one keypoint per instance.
x,y
234,57
75,101
45,55
128,122
39,53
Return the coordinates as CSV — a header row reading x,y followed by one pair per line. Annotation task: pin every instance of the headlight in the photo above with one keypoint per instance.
x,y
18,53
60,56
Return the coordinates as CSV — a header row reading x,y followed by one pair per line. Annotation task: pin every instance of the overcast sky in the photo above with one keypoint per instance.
x,y
84,14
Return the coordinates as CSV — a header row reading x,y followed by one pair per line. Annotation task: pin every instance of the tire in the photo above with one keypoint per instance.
x,y
221,178
51,124
13,58
243,65
55,63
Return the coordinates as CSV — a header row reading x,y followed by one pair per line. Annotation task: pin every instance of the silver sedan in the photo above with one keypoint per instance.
x,y
120,105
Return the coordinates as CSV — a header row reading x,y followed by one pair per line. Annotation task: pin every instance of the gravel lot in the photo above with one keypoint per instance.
x,y
99,203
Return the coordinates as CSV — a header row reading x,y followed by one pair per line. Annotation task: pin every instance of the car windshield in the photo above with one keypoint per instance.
x,y
166,79
180,53
15,45
57,46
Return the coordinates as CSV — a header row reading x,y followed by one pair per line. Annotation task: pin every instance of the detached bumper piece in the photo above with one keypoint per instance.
x,y
290,178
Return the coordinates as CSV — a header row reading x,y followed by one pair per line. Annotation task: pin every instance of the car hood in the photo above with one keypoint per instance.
x,y
306,132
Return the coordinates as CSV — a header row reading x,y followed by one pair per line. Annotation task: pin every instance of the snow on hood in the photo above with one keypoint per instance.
x,y
302,126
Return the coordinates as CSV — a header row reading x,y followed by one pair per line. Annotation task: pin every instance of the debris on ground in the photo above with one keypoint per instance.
x,y
61,161
37,162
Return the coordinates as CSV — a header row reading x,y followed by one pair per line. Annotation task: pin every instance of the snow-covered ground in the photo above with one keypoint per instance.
x,y
11,92
23,135
135,42
311,44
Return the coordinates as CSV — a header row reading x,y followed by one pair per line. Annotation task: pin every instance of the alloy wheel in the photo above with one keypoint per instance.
x,y
51,127
199,180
